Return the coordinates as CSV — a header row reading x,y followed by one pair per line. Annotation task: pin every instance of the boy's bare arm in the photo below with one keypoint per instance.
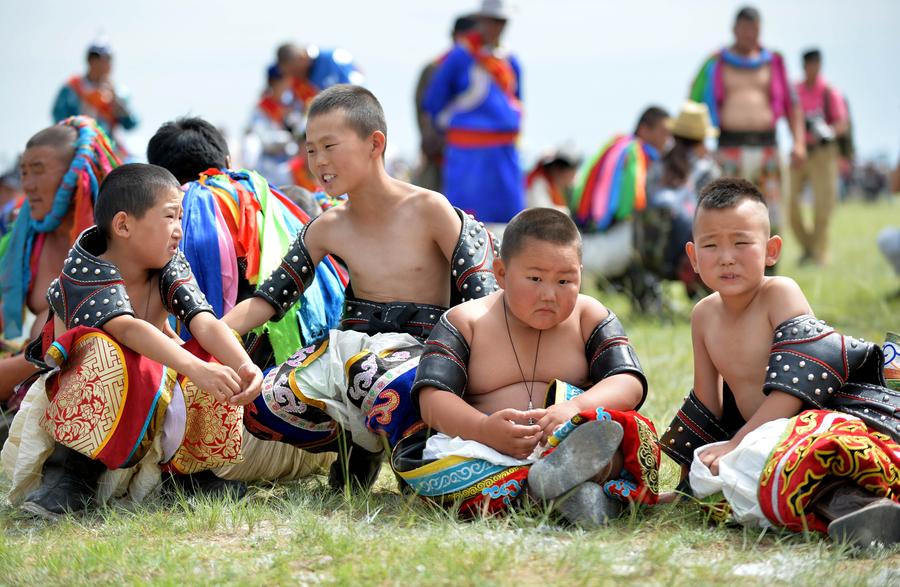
x,y
444,222
506,431
707,380
13,370
784,300
140,336
255,311
214,336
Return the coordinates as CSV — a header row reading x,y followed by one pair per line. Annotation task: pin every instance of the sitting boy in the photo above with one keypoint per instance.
x,y
123,390
402,246
482,383
760,355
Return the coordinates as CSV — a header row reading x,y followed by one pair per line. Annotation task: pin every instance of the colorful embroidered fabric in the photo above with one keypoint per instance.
x,y
612,185
821,446
109,403
231,215
94,159
349,382
708,87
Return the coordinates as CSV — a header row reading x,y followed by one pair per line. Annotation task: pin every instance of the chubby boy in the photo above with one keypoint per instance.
x,y
490,384
760,354
410,255
122,387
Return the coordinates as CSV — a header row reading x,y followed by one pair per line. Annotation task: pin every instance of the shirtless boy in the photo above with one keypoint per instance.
x,y
112,341
403,246
759,353
492,373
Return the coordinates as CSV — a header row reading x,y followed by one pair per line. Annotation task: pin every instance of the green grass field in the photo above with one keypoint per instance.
x,y
301,533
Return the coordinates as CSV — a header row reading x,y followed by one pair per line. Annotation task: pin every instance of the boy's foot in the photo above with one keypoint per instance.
x,y
205,483
877,524
69,482
587,506
361,465
584,453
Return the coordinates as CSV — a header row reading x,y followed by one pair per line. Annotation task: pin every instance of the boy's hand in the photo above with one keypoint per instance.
x,y
251,384
555,417
710,457
508,431
217,380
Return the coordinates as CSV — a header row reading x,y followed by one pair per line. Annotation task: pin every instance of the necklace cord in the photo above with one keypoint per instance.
x,y
528,388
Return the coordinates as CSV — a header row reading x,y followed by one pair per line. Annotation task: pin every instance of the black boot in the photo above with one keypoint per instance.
x,y
205,483
361,465
69,482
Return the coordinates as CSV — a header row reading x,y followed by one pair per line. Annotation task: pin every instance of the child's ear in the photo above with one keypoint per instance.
x,y
379,141
773,250
691,251
500,272
121,225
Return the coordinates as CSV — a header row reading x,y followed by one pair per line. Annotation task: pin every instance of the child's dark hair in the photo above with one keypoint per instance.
x,y
650,117
132,188
360,106
728,192
187,147
544,224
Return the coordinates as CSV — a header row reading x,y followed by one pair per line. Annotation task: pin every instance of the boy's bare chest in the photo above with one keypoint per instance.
x,y
740,349
493,364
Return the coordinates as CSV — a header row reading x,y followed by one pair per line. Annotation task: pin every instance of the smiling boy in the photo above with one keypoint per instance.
x,y
410,255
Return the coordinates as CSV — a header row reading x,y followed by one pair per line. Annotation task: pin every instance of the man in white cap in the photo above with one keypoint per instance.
x,y
475,98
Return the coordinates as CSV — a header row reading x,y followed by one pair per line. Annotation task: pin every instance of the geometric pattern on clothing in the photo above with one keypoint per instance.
x,y
821,446
107,402
213,432
473,485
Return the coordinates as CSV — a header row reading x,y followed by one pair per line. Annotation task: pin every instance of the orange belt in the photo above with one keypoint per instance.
x,y
477,138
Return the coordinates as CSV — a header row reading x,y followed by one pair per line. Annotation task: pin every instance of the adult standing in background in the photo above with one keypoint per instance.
x,y
428,175
94,94
746,89
826,119
475,99
312,69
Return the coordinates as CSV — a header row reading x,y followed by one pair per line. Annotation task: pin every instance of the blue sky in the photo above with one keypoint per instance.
x,y
589,66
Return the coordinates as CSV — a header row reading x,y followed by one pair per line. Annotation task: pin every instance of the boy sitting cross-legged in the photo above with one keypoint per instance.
x,y
482,385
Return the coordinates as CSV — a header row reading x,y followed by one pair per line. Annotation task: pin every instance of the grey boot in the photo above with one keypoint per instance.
x,y
69,482
584,453
588,506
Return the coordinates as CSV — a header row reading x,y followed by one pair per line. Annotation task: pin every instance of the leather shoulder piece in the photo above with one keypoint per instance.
x,y
179,290
287,283
693,426
89,291
876,405
812,361
472,264
445,361
608,353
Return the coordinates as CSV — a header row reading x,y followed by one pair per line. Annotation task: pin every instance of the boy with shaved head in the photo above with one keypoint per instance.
x,y
761,356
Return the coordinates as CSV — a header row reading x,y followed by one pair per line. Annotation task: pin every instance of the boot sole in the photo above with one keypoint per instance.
x,y
587,506
39,511
876,524
583,454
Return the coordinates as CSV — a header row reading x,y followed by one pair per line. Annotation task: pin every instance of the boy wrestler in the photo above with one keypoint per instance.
x,y
486,368
124,277
402,246
759,354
